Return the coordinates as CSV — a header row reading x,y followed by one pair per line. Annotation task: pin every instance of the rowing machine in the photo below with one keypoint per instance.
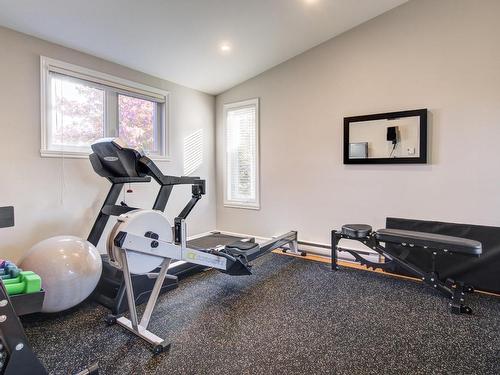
x,y
142,240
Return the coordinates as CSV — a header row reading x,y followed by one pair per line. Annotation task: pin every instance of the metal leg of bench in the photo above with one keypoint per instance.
x,y
452,289
335,241
457,304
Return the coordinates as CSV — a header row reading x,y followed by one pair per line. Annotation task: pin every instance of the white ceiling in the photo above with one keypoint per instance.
x,y
179,40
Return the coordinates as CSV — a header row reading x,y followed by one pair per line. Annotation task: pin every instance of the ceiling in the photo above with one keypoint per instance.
x,y
180,40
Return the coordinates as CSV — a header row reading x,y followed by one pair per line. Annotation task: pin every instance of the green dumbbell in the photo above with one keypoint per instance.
x,y
9,271
25,282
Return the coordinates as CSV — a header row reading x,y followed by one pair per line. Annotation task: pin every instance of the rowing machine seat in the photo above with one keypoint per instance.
x,y
435,241
356,230
244,248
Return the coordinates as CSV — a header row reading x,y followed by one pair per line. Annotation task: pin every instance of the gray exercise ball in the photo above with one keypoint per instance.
x,y
70,268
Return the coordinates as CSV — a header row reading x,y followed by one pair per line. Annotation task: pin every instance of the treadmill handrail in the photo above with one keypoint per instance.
x,y
151,169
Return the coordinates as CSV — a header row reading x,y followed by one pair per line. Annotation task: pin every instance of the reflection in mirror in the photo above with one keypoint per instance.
x,y
385,138
393,137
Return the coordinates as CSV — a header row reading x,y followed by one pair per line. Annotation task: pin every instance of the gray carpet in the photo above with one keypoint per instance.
x,y
291,317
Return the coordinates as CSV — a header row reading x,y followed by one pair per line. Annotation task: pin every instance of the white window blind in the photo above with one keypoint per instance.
x,y
242,166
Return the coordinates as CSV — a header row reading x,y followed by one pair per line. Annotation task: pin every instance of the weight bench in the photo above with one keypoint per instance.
x,y
429,244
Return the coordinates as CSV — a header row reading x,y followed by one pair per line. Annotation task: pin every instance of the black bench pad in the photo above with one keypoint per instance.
x,y
434,241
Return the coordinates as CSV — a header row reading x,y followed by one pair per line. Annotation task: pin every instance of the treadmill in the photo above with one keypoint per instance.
x,y
121,165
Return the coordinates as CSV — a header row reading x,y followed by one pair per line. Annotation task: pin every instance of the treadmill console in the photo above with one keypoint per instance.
x,y
112,158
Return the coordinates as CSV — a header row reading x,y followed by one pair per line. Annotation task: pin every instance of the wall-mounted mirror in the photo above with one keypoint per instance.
x,y
386,138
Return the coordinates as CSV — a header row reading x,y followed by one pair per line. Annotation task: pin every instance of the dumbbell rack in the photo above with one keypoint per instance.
x,y
25,304
17,356
23,288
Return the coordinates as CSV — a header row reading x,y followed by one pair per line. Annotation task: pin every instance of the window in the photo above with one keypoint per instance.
x,y
241,124
79,106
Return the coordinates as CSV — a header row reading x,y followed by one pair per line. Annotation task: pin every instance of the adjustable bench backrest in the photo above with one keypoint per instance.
x,y
431,240
481,272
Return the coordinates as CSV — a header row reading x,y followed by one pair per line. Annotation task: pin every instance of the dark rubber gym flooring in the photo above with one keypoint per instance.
x,y
292,316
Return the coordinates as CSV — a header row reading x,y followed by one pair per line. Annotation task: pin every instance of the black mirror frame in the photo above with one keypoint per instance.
x,y
422,159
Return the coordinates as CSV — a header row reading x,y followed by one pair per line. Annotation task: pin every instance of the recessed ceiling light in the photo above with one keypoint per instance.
x,y
310,2
225,47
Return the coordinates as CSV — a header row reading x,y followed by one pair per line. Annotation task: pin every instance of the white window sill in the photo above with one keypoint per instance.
x,y
64,154
85,155
247,206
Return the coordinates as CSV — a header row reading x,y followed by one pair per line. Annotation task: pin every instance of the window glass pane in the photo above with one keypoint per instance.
x,y
77,113
83,107
137,120
241,154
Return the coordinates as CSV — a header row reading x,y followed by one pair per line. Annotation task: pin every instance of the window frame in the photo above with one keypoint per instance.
x,y
254,204
108,83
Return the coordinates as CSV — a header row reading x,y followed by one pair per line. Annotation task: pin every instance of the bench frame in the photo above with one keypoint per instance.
x,y
455,290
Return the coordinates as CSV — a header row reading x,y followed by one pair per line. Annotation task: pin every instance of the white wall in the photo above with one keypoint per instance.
x,y
442,55
55,196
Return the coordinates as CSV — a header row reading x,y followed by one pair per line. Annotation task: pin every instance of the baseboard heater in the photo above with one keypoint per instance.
x,y
343,255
